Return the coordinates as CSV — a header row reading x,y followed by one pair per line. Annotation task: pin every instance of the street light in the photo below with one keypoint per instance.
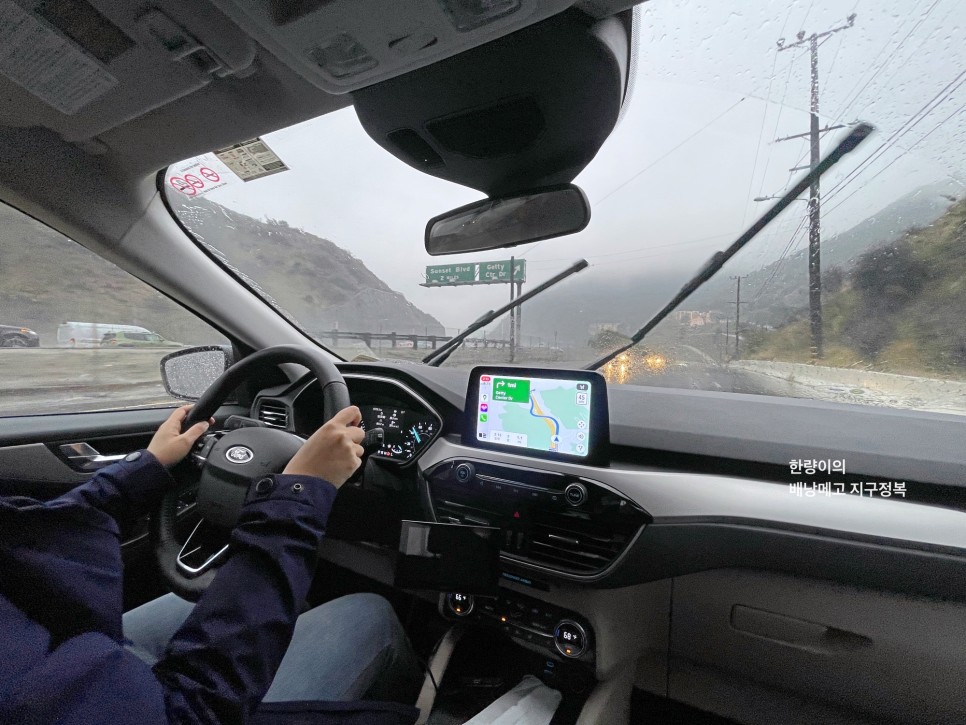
x,y
775,198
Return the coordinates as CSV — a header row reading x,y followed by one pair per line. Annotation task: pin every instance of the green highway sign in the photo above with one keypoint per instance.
x,y
500,271
440,274
511,390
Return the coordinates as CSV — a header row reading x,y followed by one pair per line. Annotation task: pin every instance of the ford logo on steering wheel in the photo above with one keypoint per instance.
x,y
239,454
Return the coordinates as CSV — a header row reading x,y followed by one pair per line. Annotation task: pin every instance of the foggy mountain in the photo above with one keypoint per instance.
x,y
595,297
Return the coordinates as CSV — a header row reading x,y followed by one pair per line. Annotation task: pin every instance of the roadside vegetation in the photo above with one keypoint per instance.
x,y
898,309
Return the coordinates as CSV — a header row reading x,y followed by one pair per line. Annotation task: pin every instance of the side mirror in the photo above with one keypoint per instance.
x,y
188,373
507,221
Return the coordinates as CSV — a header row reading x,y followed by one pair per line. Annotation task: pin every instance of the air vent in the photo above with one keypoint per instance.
x,y
560,542
579,550
448,512
273,412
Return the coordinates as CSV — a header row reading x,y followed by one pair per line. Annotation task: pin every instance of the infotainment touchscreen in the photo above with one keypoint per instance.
x,y
544,413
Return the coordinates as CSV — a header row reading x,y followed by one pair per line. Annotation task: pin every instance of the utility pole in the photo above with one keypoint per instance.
x,y
814,205
513,316
737,303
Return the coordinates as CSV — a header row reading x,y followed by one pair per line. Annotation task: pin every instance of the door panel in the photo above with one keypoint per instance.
x,y
33,464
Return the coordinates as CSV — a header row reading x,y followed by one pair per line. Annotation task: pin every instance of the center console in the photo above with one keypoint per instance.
x,y
549,524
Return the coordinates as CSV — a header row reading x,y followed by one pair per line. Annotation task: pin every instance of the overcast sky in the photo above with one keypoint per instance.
x,y
675,180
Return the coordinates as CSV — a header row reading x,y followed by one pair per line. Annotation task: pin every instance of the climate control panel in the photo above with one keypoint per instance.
x,y
559,631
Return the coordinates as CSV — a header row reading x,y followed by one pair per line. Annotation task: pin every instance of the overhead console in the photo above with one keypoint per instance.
x,y
335,45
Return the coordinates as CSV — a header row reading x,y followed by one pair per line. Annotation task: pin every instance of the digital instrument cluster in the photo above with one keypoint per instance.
x,y
407,432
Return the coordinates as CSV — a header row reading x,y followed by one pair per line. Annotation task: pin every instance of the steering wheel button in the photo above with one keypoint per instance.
x,y
264,486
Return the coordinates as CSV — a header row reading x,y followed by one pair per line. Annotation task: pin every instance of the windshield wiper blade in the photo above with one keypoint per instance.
x,y
437,356
441,355
858,134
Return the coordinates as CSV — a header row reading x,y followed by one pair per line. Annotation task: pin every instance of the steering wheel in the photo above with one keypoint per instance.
x,y
230,466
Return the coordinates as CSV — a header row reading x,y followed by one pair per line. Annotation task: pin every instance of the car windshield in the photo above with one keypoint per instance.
x,y
859,298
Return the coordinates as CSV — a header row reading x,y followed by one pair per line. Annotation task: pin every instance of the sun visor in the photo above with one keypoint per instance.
x,y
528,110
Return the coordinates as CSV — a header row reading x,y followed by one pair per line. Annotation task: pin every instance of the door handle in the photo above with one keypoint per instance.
x,y
84,457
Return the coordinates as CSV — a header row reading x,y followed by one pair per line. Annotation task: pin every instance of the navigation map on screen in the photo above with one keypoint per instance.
x,y
543,414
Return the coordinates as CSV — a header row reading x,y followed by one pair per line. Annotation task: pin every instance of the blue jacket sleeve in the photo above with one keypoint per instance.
x,y
63,555
130,487
221,662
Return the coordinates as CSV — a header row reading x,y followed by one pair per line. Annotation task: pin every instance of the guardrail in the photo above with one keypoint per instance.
x,y
407,340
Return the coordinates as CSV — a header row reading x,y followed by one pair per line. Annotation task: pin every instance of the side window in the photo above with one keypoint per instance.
x,y
58,303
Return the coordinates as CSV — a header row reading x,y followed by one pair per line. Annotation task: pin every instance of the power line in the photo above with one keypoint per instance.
x,y
653,163
671,151
642,249
922,138
778,119
781,259
906,126
791,244
761,131
876,69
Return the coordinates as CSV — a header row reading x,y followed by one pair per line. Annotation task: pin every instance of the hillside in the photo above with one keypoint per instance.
x,y
286,261
46,280
901,308
784,284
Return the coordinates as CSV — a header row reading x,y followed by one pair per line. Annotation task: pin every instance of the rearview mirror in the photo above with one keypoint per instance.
x,y
188,373
508,221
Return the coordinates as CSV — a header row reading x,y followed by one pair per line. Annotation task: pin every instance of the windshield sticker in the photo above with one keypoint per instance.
x,y
251,160
199,175
40,60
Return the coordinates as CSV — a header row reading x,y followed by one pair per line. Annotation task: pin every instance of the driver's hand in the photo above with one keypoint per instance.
x,y
333,452
169,444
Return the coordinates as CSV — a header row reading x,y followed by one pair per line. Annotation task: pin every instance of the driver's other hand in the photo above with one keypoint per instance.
x,y
333,452
169,444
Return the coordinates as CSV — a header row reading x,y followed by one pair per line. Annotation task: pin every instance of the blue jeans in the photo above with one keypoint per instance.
x,y
351,648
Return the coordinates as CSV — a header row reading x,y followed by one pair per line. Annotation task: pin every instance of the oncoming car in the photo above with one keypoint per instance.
x,y
653,313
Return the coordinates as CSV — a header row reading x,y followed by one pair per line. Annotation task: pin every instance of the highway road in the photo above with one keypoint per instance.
x,y
43,381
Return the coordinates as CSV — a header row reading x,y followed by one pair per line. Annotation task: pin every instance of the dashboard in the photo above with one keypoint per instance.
x,y
694,490
693,481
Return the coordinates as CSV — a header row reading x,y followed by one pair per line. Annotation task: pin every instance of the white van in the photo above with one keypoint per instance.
x,y
89,334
